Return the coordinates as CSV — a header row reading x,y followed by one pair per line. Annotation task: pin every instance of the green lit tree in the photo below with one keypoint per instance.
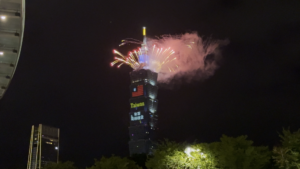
x,y
114,162
201,156
288,156
60,165
239,153
167,155
171,155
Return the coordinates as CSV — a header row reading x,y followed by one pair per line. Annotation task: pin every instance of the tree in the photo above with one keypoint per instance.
x,y
60,165
285,158
239,153
288,155
167,155
203,156
139,159
171,155
114,162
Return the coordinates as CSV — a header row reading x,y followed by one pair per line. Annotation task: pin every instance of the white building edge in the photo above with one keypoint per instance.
x,y
12,20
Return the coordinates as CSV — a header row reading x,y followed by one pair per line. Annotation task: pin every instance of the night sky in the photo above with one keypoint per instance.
x,y
64,78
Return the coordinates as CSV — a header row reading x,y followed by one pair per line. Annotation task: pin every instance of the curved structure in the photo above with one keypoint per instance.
x,y
12,19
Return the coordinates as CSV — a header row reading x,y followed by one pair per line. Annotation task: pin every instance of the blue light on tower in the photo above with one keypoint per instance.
x,y
143,58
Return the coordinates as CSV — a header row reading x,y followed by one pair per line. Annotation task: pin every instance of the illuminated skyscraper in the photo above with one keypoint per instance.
x,y
143,105
12,21
44,146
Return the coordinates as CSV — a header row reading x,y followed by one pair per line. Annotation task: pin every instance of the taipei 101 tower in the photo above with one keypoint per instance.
x,y
143,105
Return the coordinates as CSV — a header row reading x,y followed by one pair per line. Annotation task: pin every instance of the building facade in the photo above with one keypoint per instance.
x,y
12,21
143,106
44,146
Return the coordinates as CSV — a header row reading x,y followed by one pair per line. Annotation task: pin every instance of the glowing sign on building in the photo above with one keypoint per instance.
x,y
134,105
139,91
137,116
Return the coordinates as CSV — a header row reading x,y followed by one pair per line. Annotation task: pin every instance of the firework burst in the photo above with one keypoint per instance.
x,y
131,60
154,59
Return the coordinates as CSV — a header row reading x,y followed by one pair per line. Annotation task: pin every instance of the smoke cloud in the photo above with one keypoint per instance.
x,y
196,59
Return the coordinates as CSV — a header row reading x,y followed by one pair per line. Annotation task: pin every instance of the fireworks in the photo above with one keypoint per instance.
x,y
157,59
131,60
154,59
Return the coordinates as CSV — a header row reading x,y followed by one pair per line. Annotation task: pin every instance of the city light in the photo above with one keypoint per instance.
x,y
188,151
1,53
3,17
56,148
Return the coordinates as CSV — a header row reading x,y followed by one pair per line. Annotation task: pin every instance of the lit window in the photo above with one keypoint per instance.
x,y
138,113
142,117
135,114
48,142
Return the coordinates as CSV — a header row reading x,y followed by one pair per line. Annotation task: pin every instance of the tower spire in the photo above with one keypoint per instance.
x,y
144,44
143,58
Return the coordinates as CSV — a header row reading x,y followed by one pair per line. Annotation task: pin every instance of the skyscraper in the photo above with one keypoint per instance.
x,y
143,105
44,146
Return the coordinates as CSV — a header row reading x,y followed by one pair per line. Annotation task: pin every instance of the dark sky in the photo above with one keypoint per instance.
x,y
64,79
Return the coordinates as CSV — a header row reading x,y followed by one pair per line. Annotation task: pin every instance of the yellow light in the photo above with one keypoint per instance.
x,y
144,31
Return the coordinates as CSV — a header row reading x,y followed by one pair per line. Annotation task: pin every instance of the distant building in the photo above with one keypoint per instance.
x,y
12,21
143,105
43,147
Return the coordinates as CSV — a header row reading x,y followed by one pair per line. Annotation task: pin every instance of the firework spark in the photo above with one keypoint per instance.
x,y
130,60
173,56
156,59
